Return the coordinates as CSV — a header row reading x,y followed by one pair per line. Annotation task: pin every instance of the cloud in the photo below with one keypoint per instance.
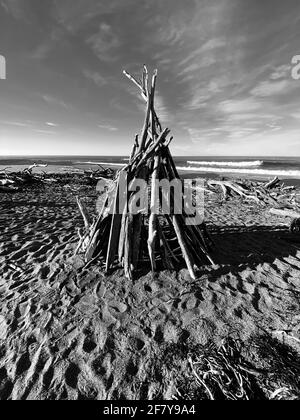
x,y
16,8
268,88
239,106
18,123
281,72
76,15
104,43
161,109
45,132
51,100
202,53
51,124
49,45
96,77
107,127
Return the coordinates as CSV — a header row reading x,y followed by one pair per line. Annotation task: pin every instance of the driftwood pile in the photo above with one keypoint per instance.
x,y
13,181
283,200
94,175
118,236
270,193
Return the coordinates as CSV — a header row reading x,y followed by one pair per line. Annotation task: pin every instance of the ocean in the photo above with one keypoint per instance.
x,y
259,168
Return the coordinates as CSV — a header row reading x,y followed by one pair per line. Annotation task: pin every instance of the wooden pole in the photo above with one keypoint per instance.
x,y
152,236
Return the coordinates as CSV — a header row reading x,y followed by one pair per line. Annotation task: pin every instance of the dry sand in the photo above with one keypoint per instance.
x,y
68,333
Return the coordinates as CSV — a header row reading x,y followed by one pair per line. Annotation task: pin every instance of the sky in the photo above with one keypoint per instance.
x,y
224,75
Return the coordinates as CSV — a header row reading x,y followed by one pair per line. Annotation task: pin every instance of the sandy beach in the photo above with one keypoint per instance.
x,y
67,332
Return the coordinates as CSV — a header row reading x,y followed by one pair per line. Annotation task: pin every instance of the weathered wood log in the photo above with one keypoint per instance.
x,y
114,235
152,236
122,237
137,222
127,247
265,197
91,248
236,188
273,183
148,112
182,243
168,255
151,150
285,213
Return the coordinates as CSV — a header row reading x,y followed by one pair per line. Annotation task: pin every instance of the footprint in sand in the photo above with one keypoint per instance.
x,y
6,385
89,345
131,368
48,377
23,364
71,375
86,389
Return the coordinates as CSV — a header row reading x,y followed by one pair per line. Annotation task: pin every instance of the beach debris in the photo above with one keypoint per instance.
x,y
265,194
294,215
94,175
285,213
271,184
14,181
263,368
295,225
121,236
11,182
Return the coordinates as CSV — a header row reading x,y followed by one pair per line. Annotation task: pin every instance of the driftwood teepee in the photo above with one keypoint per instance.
x,y
122,237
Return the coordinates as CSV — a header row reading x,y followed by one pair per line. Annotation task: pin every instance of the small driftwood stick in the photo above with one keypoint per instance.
x,y
144,88
90,252
133,79
84,213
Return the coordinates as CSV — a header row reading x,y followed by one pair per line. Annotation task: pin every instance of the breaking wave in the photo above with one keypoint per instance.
x,y
246,164
103,163
261,172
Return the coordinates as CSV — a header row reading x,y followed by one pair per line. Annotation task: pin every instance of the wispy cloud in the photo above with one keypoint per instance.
x,y
96,77
51,124
239,105
107,127
224,82
270,88
281,72
51,100
104,43
162,110
48,132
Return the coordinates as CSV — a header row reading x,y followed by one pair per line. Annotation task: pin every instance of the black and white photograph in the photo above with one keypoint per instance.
x,y
149,203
